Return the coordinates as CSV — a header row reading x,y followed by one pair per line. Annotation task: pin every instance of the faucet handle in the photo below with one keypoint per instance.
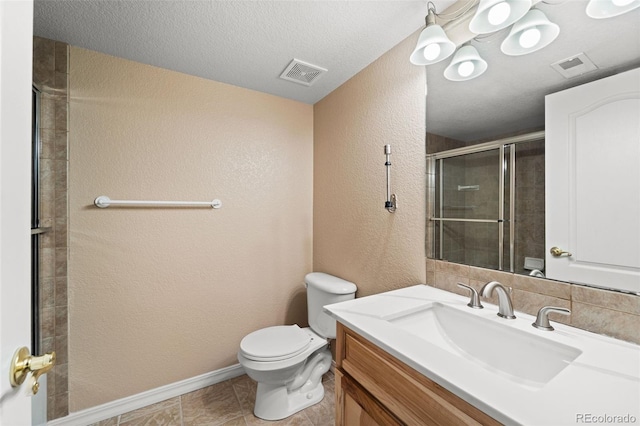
x,y
474,301
542,320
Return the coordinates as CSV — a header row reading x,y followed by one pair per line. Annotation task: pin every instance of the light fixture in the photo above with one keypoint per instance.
x,y
494,15
465,65
533,32
600,9
433,44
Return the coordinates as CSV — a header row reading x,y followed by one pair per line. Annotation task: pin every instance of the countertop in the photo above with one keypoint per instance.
x,y
601,385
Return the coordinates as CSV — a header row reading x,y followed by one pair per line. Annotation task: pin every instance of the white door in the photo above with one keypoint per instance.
x,y
592,184
16,33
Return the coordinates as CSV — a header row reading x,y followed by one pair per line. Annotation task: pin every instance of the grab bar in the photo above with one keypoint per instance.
x,y
103,202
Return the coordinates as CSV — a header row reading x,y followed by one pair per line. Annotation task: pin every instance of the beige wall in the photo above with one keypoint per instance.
x,y
354,236
158,295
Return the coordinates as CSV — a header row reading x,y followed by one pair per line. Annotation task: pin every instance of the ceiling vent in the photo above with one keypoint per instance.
x,y
302,72
574,65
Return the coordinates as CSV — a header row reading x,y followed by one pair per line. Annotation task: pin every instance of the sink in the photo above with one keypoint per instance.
x,y
513,353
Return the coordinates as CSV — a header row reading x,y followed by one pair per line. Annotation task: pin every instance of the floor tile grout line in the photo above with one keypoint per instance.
x,y
180,406
240,404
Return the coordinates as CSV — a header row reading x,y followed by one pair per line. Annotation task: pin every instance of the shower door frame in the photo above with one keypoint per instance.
x,y
505,165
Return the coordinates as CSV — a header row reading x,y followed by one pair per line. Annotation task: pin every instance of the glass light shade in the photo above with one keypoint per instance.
x,y
499,13
601,9
527,26
465,65
494,15
530,37
425,52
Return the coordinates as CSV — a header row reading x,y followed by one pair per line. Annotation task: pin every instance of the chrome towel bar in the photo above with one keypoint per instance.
x,y
103,202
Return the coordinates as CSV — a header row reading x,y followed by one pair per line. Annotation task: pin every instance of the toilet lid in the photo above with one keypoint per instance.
x,y
275,343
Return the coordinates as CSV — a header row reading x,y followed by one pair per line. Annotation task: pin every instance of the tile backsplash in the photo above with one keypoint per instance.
x,y
606,312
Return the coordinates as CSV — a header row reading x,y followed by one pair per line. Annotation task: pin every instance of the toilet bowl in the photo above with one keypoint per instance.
x,y
288,361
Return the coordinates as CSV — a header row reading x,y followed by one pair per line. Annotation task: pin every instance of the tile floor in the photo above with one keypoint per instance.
x,y
229,403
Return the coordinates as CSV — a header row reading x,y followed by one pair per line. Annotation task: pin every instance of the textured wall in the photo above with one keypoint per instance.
x,y
354,236
160,295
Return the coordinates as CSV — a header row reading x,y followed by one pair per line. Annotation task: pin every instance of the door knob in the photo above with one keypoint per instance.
x,y
558,252
23,363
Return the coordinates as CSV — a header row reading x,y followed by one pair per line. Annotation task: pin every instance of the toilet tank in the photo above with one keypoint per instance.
x,y
324,289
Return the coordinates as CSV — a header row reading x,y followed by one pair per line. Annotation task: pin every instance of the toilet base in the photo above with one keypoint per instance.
x,y
274,402
278,401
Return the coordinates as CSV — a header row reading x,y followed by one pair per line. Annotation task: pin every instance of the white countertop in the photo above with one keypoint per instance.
x,y
602,383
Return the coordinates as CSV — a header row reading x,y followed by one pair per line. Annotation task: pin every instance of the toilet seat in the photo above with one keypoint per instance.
x,y
275,343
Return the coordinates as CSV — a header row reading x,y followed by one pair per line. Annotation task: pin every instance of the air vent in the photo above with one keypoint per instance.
x,y
574,65
302,72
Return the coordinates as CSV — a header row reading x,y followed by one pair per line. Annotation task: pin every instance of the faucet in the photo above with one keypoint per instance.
x,y
542,319
536,273
474,300
505,308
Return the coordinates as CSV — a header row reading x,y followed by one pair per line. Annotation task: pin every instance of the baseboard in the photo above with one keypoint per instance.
x,y
133,402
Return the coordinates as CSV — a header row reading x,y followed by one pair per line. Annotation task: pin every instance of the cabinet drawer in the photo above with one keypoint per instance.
x,y
409,395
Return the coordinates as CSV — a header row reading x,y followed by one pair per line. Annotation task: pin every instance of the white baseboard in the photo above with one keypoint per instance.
x,y
133,402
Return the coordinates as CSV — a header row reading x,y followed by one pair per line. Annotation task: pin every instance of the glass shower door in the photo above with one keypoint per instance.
x,y
472,195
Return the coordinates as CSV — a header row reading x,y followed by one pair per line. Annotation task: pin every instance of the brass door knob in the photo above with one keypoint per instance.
x,y
23,363
558,252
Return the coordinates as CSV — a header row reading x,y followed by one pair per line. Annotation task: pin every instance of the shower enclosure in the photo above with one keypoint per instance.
x,y
486,204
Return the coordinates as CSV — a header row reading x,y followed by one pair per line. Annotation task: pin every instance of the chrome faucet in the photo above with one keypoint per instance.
x,y
542,319
505,308
474,300
537,273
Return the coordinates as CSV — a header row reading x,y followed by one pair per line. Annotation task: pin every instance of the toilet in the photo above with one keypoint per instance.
x,y
288,361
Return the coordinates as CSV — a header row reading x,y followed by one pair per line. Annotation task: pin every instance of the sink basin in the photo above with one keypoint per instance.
x,y
518,355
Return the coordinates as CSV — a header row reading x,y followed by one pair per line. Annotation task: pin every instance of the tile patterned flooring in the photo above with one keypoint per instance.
x,y
229,403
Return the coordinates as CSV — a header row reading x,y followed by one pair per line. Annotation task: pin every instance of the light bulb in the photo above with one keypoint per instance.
x,y
530,37
465,69
431,51
621,3
500,12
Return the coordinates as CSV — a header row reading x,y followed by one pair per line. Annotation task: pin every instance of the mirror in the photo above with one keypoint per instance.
x,y
508,101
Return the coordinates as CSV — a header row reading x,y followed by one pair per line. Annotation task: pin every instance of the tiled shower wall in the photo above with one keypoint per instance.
x,y
530,207
50,76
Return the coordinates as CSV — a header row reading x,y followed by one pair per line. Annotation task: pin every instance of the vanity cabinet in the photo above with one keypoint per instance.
x,y
375,388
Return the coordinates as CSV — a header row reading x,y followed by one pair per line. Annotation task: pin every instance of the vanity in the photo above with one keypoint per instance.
x,y
420,355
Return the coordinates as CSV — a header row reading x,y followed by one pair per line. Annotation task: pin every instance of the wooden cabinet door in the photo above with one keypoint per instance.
x,y
356,407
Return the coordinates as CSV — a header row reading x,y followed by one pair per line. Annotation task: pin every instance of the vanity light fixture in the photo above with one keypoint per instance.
x,y
433,44
533,32
465,65
600,9
494,15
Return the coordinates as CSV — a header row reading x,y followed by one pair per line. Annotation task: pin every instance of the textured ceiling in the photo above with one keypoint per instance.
x,y
509,96
244,43
250,43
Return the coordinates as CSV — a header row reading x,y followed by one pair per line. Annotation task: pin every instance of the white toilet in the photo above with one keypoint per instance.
x,y
288,361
